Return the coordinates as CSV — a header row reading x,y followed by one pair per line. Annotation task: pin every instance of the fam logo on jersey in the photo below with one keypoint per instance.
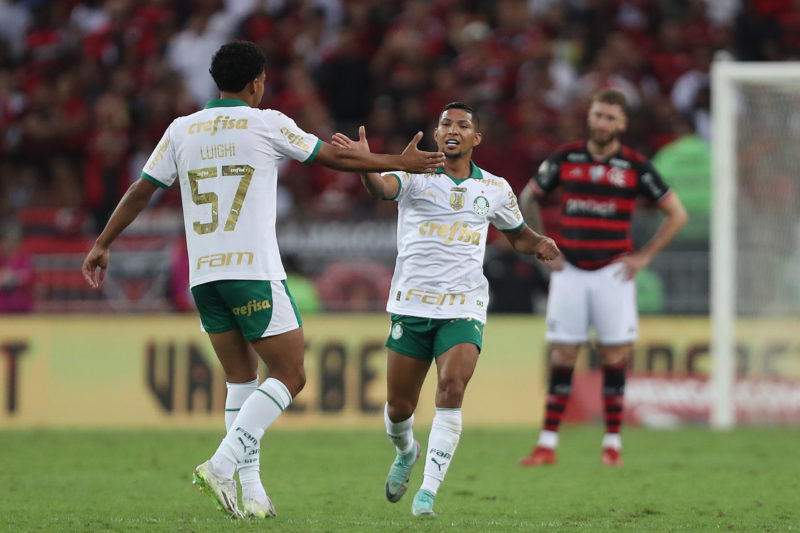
x,y
457,197
597,172
397,331
481,206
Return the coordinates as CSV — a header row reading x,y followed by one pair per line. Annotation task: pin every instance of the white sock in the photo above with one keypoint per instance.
x,y
442,443
249,475
400,433
548,439
612,440
237,394
258,412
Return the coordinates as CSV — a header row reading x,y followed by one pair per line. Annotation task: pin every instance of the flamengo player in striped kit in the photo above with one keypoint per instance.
x,y
439,295
226,160
592,283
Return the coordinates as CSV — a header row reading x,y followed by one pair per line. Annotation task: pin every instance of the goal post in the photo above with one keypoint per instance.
x,y
748,99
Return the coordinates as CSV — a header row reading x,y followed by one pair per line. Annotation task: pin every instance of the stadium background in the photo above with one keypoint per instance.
x,y
87,88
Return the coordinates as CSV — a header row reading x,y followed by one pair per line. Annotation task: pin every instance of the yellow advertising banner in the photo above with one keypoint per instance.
x,y
150,371
131,370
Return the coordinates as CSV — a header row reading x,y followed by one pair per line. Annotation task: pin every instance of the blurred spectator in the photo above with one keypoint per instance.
x,y
15,18
87,86
16,271
685,165
354,286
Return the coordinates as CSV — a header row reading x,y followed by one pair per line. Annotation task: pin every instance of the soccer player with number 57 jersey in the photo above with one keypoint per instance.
x,y
439,295
226,160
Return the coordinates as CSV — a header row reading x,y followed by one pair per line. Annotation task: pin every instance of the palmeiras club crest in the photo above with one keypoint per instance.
x,y
481,206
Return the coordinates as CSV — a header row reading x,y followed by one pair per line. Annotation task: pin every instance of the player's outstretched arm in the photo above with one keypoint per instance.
x,y
381,187
529,242
135,199
411,160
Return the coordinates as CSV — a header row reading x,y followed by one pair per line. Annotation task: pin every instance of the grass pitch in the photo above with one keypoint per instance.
x,y
683,480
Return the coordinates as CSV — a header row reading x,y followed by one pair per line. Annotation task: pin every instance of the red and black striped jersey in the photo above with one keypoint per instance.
x,y
598,200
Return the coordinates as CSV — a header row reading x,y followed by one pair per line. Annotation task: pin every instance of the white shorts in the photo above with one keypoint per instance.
x,y
581,299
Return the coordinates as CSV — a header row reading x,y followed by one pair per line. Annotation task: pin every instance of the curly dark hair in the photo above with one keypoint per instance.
x,y
236,64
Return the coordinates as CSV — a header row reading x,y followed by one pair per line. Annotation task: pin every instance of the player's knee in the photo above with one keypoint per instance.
x,y
300,381
564,355
616,355
450,392
293,378
399,410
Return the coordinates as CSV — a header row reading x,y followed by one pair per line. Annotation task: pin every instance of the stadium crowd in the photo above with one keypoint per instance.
x,y
87,87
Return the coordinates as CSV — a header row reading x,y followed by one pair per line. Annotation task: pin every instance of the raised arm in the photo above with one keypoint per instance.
x,y
380,187
351,158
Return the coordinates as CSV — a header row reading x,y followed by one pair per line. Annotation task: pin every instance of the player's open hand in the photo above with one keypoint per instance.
x,y
546,250
97,258
340,140
633,263
416,161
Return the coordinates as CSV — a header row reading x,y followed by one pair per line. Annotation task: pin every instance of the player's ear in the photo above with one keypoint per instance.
x,y
478,138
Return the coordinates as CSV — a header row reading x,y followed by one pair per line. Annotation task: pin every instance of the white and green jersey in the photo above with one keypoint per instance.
x,y
441,240
227,158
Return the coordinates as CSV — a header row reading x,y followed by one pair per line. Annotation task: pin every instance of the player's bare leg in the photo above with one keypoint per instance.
x,y
454,370
283,355
404,378
239,360
615,360
562,363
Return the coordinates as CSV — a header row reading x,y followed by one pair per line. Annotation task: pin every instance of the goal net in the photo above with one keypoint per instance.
x,y
755,244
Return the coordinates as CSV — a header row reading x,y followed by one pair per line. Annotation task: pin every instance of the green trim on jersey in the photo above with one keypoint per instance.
x,y
475,173
399,187
310,158
514,230
154,181
226,102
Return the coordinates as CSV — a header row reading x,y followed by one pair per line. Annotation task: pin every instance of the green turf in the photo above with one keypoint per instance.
x,y
685,480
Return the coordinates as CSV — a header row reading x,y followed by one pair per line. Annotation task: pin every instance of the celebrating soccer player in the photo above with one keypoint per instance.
x,y
592,283
439,295
226,159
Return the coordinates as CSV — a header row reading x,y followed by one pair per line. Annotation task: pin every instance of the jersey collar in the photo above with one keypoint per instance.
x,y
475,173
603,160
225,102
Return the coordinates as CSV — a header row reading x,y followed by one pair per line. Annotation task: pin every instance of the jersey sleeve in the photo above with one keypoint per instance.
x,y
289,140
507,217
547,177
405,181
651,184
161,168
